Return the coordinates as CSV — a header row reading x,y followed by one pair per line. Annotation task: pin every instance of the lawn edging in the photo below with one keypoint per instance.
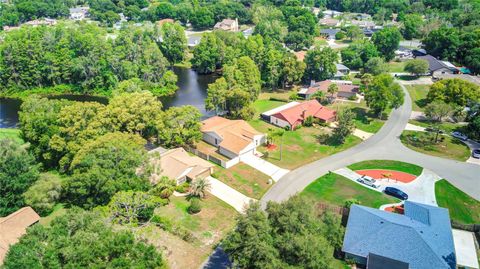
x,y
387,165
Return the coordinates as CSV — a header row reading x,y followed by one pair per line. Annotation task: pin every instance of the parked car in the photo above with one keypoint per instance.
x,y
396,193
369,181
476,153
460,136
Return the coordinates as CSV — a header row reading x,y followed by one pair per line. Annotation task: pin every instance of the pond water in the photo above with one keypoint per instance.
x,y
192,91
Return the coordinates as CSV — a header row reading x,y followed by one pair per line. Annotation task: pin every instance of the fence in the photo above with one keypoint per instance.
x,y
342,211
222,163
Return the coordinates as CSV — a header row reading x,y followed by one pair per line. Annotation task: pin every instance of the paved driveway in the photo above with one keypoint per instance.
x,y
421,190
229,195
385,144
263,166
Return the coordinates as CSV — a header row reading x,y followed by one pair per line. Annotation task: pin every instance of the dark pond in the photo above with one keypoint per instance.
x,y
192,91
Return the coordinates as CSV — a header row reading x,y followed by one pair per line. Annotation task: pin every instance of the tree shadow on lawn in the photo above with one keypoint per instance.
x,y
366,116
328,140
421,102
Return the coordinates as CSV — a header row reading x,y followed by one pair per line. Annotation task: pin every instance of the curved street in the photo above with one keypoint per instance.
x,y
383,145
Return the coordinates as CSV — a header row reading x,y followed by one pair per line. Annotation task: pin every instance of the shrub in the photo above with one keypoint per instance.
x,y
182,188
195,206
293,96
340,35
348,203
162,222
308,121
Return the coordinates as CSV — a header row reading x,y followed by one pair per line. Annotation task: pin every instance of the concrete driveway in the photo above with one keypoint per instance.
x,y
421,190
472,145
263,166
229,195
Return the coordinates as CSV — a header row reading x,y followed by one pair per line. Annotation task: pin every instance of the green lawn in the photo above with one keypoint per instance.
x,y
263,105
388,165
58,210
418,94
463,208
446,146
336,189
12,134
364,120
396,67
301,146
244,179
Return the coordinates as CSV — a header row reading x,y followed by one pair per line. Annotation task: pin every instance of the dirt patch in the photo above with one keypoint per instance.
x,y
389,174
271,147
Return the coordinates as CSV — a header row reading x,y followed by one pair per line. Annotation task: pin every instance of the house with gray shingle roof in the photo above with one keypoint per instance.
x,y
421,238
437,67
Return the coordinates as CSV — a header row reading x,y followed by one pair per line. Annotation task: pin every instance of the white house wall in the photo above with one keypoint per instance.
x,y
210,137
279,122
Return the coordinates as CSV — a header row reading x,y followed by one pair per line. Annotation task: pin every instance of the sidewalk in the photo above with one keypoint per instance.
x,y
229,195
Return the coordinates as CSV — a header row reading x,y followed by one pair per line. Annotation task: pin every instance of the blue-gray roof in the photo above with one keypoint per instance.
x,y
422,237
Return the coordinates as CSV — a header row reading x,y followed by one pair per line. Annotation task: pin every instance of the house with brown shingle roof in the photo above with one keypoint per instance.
x,y
13,226
292,116
346,89
178,165
232,137
227,25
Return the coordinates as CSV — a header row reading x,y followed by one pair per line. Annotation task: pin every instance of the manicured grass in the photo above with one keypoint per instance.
x,y
336,189
388,165
462,208
446,146
364,119
418,94
244,179
12,134
301,146
447,127
396,67
263,105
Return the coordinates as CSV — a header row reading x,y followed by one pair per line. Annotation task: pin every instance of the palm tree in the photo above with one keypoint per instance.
x,y
199,187
332,90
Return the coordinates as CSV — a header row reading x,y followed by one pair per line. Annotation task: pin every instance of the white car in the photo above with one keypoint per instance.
x,y
369,181
460,136
476,153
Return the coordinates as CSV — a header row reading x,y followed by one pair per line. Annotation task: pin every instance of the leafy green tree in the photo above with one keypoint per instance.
x,y
292,70
202,18
375,66
78,123
358,53
332,89
164,187
287,235
320,63
442,43
44,193
386,41
383,93
298,40
454,91
273,29
411,25
81,239
208,55
174,42
39,123
251,244
235,92
345,125
132,112
416,67
436,112
103,167
132,207
179,126
18,172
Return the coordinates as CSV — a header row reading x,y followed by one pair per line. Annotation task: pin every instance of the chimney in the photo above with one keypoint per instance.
x,y
312,82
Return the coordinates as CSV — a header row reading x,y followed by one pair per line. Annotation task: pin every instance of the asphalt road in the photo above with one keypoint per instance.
x,y
384,145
